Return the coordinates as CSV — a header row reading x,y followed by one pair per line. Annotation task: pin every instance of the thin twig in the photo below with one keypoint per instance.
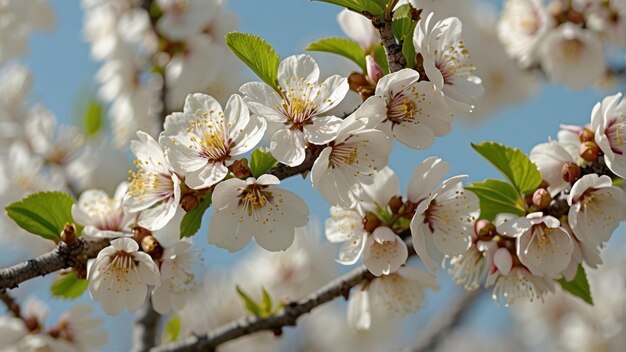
x,y
62,257
145,329
434,333
8,300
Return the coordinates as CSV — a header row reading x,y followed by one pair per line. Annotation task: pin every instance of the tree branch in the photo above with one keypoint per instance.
x,y
393,50
434,333
62,257
286,317
283,171
145,330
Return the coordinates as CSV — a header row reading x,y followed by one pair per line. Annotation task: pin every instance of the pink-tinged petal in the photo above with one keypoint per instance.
x,y
503,260
384,258
323,130
298,67
288,147
359,316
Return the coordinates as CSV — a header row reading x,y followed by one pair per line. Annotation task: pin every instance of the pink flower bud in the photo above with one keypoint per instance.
x,y
374,71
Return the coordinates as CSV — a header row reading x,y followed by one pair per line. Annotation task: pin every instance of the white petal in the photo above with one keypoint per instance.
x,y
288,147
384,258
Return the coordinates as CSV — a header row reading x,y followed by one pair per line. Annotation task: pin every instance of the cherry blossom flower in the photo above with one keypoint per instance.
x,y
355,155
519,283
180,266
83,331
154,189
297,111
569,48
101,215
446,61
400,293
442,224
543,246
358,28
416,111
521,28
255,207
119,276
384,252
346,226
596,208
608,121
201,142
469,269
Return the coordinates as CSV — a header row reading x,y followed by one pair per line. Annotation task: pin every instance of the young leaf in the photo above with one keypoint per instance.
x,y
44,213
497,197
374,7
512,163
381,58
193,219
250,305
579,286
171,332
261,162
266,302
68,286
403,24
340,46
93,117
257,54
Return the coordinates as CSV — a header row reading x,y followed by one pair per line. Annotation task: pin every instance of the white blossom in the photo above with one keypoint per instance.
x,y
608,121
519,283
255,207
550,158
83,331
101,215
120,276
358,28
202,141
296,113
346,226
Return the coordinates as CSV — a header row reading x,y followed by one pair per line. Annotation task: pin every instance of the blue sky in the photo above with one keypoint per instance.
x,y
63,71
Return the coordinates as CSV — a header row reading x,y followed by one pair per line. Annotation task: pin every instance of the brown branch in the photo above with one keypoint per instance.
x,y
275,322
393,50
145,328
62,257
434,333
12,306
283,171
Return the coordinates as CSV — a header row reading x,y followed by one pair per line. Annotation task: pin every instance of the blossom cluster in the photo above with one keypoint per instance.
x,y
564,37
567,220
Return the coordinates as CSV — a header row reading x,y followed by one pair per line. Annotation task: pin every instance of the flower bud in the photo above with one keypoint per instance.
x,y
374,71
570,172
240,169
484,227
356,81
589,151
189,202
371,222
139,233
68,235
151,246
541,198
395,203
586,135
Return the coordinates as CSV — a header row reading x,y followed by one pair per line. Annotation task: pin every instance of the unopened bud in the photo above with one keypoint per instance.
x,y
189,202
586,135
570,172
32,324
484,227
240,169
68,235
150,245
395,203
356,81
81,271
371,222
374,71
589,151
541,198
139,233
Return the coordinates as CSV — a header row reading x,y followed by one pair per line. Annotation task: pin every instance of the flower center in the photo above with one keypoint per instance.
x,y
343,154
255,197
299,103
453,60
401,108
213,143
571,49
615,132
143,183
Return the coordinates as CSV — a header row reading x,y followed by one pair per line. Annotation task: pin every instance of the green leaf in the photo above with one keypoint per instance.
x,y
497,197
68,286
374,7
403,24
266,303
171,332
342,47
261,162
257,54
381,58
93,117
192,221
250,305
512,163
44,213
579,286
